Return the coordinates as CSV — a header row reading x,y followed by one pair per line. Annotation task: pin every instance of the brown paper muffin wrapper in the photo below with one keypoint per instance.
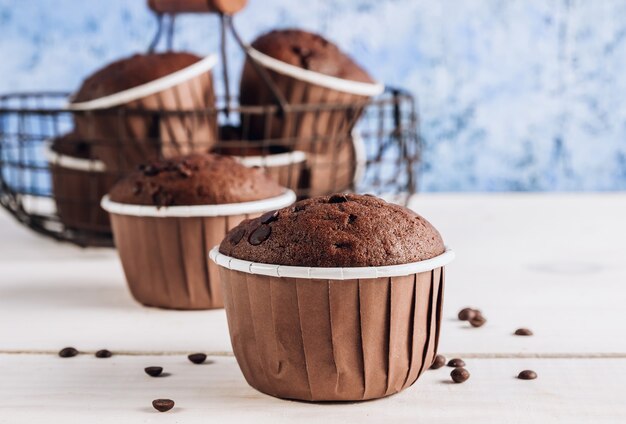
x,y
153,120
284,168
326,335
164,252
337,170
303,129
78,185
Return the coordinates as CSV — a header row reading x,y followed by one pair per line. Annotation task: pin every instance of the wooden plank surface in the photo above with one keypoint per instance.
x,y
45,388
526,260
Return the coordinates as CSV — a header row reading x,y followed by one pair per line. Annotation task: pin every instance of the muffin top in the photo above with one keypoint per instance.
x,y
341,230
131,72
310,51
71,145
196,179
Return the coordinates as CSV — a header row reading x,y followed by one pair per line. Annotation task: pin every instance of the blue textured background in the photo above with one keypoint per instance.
x,y
514,95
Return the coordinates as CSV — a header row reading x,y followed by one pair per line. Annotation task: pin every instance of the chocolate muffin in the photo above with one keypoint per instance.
x,y
311,52
131,72
341,230
195,179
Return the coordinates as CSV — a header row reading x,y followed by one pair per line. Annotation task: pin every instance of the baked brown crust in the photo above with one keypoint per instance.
x,y
341,230
131,72
196,179
310,51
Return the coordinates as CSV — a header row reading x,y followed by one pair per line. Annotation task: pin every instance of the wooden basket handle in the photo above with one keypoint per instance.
x,y
227,7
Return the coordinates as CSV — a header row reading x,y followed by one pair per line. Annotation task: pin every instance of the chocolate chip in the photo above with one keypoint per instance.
x,y
184,170
456,363
236,235
438,362
197,358
103,353
259,235
523,332
268,217
459,375
343,245
527,375
466,314
153,371
338,198
351,218
68,352
298,207
137,187
163,405
149,170
478,321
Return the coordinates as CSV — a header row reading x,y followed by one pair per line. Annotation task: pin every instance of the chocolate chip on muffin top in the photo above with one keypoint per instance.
x,y
196,179
341,230
310,51
131,72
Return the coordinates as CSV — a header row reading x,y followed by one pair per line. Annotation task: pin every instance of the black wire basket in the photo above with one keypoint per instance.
x,y
56,162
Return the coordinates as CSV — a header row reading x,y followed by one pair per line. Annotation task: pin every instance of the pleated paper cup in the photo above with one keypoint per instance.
x,y
337,103
78,185
284,168
164,251
333,334
337,170
166,117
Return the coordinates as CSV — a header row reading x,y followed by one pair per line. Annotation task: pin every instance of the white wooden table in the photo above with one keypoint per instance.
x,y
553,263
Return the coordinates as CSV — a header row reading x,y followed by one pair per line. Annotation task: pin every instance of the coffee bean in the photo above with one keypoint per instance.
x,y
236,235
68,352
338,198
163,405
197,358
478,321
523,332
456,363
268,217
103,353
459,375
438,362
527,375
153,371
466,314
259,235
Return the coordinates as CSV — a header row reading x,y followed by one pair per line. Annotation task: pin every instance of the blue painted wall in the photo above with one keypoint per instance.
x,y
514,95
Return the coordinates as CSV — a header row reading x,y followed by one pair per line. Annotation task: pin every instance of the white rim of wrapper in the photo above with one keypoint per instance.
x,y
70,162
149,88
316,273
226,209
272,160
334,83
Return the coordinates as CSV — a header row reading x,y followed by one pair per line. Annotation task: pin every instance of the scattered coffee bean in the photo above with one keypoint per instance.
x,y
68,352
259,235
236,235
527,375
459,375
456,363
338,198
523,332
197,358
163,405
153,371
103,353
466,314
439,362
268,217
478,321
